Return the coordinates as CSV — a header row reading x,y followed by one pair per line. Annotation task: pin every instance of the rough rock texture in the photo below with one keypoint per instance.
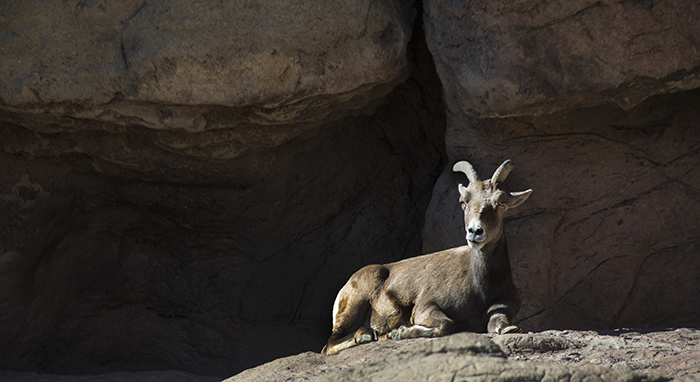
x,y
552,355
313,365
609,237
243,76
102,273
532,57
569,355
273,62
669,353
186,186
143,376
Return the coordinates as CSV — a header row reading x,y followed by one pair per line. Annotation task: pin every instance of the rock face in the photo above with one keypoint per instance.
x,y
186,187
243,77
608,238
504,58
620,355
279,62
673,354
552,355
150,376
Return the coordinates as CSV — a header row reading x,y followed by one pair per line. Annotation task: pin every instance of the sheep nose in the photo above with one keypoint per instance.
x,y
475,232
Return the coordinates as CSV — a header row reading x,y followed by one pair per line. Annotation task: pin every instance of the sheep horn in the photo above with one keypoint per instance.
x,y
502,172
468,170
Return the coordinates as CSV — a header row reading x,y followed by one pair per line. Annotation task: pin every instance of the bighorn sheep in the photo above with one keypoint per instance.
x,y
469,288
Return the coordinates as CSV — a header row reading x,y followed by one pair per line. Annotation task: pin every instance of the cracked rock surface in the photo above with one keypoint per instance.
x,y
513,58
608,238
622,355
671,353
551,355
596,104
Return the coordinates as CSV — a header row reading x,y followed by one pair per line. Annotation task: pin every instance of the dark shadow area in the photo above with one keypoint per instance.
x,y
111,261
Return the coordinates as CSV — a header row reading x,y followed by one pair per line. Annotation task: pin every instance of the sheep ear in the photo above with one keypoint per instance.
x,y
462,189
517,198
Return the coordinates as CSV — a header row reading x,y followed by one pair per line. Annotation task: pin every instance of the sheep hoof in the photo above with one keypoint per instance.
x,y
510,329
365,335
394,334
365,338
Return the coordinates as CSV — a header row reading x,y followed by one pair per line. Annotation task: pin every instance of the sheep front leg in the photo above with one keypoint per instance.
x,y
499,322
428,321
337,343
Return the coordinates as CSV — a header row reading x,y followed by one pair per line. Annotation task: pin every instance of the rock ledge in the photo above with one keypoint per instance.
x,y
622,355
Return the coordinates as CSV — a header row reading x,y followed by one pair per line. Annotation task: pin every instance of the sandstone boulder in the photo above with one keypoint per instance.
x,y
247,75
507,58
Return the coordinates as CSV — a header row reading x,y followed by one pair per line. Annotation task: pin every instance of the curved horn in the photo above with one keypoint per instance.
x,y
502,172
468,170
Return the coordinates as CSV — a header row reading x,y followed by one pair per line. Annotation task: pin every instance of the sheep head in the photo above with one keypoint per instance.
x,y
485,202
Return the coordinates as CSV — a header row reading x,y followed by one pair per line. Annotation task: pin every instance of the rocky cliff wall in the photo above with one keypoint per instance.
x,y
608,238
187,186
594,103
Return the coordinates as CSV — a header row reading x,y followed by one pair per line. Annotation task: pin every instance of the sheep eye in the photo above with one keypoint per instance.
x,y
501,201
